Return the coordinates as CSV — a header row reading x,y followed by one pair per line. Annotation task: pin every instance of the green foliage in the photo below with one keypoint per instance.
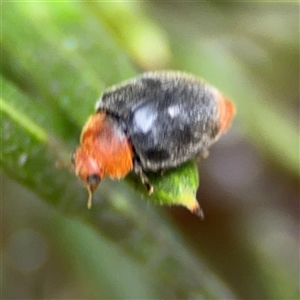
x,y
57,58
173,187
53,70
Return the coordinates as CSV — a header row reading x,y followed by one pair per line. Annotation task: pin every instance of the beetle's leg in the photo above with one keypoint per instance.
x,y
203,154
139,171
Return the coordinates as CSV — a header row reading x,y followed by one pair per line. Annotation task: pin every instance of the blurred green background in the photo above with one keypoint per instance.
x,y
56,59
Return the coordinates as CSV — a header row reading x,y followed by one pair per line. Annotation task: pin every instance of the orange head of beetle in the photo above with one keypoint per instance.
x,y
104,151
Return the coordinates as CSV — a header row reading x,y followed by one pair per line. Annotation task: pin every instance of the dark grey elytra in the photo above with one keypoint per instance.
x,y
169,117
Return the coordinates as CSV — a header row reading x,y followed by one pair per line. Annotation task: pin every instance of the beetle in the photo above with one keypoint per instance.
x,y
153,122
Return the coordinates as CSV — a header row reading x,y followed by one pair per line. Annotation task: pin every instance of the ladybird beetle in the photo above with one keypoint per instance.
x,y
153,122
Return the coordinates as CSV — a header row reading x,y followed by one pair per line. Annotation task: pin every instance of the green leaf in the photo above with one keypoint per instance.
x,y
174,187
31,161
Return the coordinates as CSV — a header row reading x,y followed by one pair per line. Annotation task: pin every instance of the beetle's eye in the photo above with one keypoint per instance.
x,y
73,158
93,179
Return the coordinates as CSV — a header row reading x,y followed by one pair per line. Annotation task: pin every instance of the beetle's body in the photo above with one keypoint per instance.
x,y
168,119
153,122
